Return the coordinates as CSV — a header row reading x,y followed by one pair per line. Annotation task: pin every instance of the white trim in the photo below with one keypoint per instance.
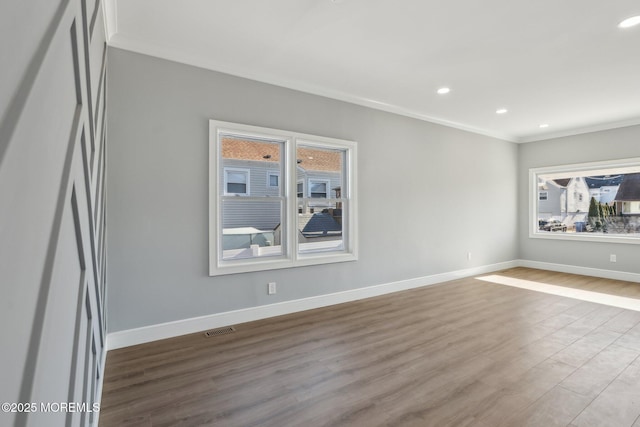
x,y
130,43
589,168
581,130
127,42
150,333
187,326
584,271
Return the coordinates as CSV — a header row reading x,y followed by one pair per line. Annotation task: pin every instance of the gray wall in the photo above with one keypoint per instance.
x,y
428,193
52,258
597,146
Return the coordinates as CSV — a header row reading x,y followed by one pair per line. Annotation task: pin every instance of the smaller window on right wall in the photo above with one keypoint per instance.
x,y
590,201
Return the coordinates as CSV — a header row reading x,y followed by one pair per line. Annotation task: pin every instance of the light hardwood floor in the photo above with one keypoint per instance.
x,y
461,353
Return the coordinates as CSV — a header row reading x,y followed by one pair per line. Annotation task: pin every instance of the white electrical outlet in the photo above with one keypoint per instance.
x,y
468,256
271,289
613,258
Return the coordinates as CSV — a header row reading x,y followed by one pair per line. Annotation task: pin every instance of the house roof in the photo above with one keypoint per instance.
x,y
630,188
603,181
562,182
308,158
318,225
244,149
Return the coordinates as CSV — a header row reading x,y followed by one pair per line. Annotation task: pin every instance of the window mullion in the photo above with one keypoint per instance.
x,y
292,200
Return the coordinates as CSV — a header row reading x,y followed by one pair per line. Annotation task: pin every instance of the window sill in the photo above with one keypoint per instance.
x,y
278,263
631,239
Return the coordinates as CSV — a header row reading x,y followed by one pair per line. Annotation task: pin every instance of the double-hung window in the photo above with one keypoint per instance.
x,y
279,199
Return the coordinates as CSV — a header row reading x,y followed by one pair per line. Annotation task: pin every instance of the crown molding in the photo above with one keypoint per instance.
x,y
124,42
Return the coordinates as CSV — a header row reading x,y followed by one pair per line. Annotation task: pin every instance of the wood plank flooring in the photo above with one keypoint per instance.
x,y
461,353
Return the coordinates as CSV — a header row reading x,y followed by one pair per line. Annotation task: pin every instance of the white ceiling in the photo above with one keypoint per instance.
x,y
561,62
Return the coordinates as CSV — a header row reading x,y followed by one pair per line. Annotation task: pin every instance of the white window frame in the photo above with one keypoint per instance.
x,y
269,175
291,256
612,167
247,172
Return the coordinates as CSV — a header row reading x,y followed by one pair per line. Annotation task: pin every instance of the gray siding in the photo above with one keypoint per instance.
x,y
258,175
241,213
264,216
554,205
52,205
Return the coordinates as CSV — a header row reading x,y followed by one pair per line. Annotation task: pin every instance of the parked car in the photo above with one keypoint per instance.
x,y
553,225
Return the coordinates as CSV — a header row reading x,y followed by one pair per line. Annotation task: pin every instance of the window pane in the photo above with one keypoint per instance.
x,y
320,212
251,228
253,163
599,202
236,188
318,189
237,177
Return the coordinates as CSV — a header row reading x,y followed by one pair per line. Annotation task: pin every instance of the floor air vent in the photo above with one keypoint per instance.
x,y
221,331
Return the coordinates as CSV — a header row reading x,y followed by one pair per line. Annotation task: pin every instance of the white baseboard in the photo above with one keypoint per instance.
x,y
196,324
585,271
187,326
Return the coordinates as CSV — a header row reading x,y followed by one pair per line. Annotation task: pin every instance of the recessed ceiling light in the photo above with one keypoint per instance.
x,y
630,22
443,90
544,125
501,111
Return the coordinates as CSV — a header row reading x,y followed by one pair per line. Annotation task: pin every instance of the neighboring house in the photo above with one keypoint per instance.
x,y
566,200
562,197
318,227
603,188
628,197
551,200
252,169
577,195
